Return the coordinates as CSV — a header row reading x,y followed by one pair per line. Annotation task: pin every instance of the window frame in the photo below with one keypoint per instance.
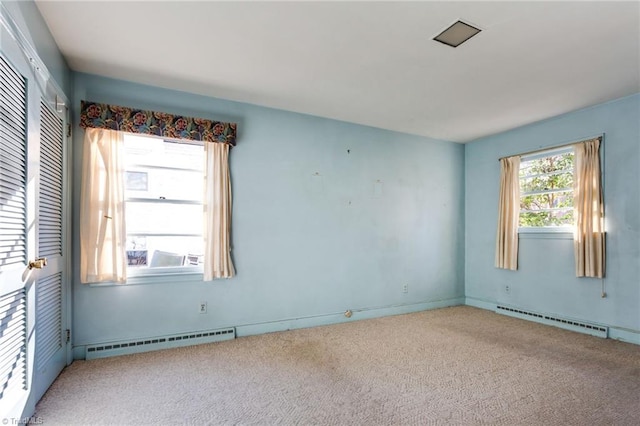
x,y
547,152
148,275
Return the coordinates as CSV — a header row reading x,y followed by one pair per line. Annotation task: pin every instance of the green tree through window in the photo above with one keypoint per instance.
x,y
546,189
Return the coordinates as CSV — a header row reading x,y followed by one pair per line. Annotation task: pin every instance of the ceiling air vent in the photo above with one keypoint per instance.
x,y
457,34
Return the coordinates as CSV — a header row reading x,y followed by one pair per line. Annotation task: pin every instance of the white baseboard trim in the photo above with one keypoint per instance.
x,y
616,333
339,317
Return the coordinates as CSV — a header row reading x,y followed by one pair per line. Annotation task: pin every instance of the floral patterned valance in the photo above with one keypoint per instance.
x,y
131,120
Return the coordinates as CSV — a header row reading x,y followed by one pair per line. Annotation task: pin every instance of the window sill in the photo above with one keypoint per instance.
x,y
549,234
156,278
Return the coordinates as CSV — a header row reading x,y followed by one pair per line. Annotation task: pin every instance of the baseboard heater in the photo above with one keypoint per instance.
x,y
155,343
568,324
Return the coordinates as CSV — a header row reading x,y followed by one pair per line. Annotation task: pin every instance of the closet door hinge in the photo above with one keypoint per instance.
x,y
68,335
68,130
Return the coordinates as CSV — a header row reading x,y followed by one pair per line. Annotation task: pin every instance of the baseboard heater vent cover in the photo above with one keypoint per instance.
x,y
579,326
156,343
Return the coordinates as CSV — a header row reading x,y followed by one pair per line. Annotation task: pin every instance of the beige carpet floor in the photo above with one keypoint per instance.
x,y
460,365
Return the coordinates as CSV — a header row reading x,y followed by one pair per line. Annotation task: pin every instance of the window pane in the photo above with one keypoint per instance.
x,y
163,232
546,218
549,182
148,151
151,252
548,164
163,218
560,180
157,168
551,200
167,183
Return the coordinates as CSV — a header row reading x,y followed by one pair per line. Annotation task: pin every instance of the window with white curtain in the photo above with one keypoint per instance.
x,y
157,203
546,191
163,205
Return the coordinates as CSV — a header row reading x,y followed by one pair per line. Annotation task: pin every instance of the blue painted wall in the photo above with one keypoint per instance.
x,y
304,247
30,22
546,281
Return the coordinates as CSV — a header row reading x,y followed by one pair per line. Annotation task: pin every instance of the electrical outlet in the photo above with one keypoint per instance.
x,y
203,307
405,288
507,289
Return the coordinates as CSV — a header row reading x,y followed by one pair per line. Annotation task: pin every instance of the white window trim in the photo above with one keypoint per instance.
x,y
158,278
545,230
545,235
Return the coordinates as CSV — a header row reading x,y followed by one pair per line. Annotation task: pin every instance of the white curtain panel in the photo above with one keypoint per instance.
x,y
217,213
102,221
508,214
589,235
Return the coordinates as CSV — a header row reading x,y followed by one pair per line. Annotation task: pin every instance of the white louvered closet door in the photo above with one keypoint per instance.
x,y
33,225
50,353
13,238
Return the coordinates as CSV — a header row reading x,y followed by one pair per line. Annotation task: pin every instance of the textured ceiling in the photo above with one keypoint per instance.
x,y
372,63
